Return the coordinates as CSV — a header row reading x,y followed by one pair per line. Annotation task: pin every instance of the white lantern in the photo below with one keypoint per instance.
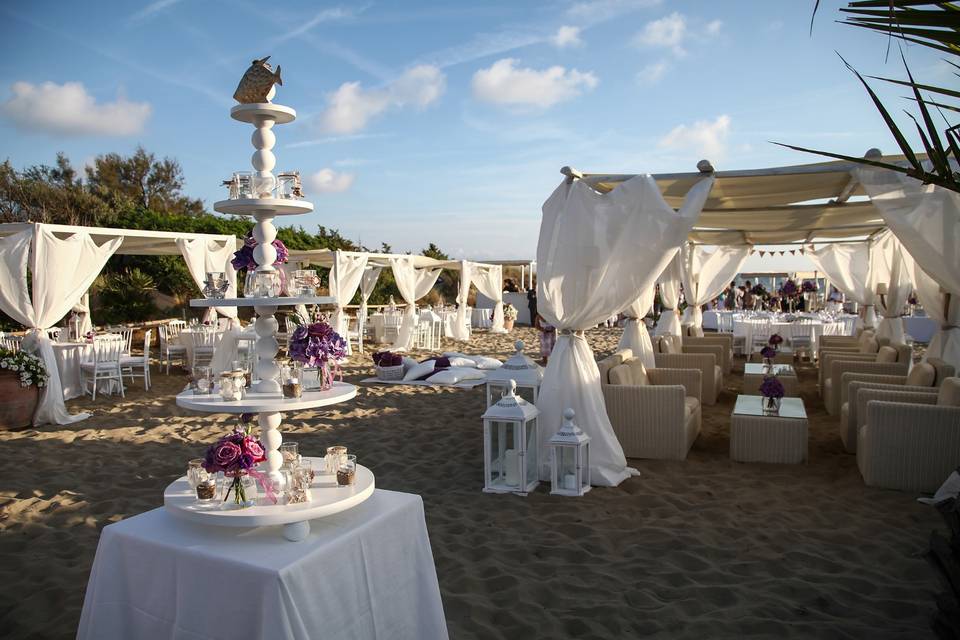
x,y
510,456
570,469
519,368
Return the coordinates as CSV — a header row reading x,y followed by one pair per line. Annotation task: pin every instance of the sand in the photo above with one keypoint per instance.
x,y
704,548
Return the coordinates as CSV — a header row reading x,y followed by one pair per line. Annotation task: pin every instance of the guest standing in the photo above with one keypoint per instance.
x,y
548,338
532,306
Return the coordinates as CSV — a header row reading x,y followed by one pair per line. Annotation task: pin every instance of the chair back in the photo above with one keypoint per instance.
x,y
146,345
174,327
611,361
206,337
11,343
949,394
162,332
108,348
53,333
725,322
942,369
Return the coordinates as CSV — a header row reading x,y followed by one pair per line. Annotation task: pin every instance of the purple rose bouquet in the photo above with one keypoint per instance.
x,y
775,340
318,345
387,359
809,286
771,387
768,352
235,455
789,289
243,257
912,299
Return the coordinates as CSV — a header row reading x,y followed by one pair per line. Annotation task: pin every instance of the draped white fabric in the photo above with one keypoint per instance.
x,y
62,271
848,265
670,279
925,219
945,343
82,309
202,256
367,284
488,279
345,278
893,272
461,325
589,268
413,284
635,335
706,273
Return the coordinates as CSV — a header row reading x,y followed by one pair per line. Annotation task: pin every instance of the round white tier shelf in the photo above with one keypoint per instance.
x,y
327,499
250,112
255,402
261,302
251,206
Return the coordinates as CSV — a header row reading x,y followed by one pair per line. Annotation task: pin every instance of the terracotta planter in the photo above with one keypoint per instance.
x,y
508,324
19,403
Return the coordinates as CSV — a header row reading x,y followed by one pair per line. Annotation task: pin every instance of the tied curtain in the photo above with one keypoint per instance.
x,y
82,309
345,278
203,256
851,268
62,271
635,335
461,324
945,343
590,267
670,278
367,284
488,279
893,272
413,284
706,273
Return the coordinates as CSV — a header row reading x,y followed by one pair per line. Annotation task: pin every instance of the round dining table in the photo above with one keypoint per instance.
x,y
69,356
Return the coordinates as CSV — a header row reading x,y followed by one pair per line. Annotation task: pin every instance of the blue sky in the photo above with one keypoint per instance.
x,y
445,121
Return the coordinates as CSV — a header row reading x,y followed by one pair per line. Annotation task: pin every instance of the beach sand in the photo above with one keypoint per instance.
x,y
704,548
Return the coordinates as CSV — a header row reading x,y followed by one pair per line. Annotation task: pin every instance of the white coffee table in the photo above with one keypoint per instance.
x,y
759,437
754,373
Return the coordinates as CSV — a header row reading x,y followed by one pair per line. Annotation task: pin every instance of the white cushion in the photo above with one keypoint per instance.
x,y
408,362
484,362
461,361
455,375
419,370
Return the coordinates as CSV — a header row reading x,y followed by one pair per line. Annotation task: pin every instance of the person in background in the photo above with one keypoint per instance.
x,y
532,306
747,295
730,297
657,301
548,338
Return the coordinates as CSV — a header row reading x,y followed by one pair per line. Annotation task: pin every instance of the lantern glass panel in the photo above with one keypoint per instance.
x,y
533,464
497,389
503,454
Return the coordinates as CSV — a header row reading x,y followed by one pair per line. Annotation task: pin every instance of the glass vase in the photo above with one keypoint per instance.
x,y
241,492
771,406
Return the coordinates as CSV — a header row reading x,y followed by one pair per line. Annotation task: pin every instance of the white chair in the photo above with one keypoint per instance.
x,y
130,365
354,335
223,324
11,343
204,342
169,350
54,333
391,327
105,366
127,334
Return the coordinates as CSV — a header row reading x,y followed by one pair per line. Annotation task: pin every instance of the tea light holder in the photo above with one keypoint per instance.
x,y
510,460
570,467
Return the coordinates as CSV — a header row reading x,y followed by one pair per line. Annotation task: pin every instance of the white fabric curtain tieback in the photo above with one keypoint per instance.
x,y
576,333
667,309
949,327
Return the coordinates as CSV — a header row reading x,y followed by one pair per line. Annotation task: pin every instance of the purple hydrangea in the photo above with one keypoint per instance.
x,y
317,344
789,288
243,257
771,387
809,286
768,352
775,340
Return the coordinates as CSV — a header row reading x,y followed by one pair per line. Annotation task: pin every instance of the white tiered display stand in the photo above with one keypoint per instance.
x,y
265,397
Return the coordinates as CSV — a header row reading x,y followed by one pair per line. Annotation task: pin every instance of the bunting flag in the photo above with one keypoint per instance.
x,y
793,252
762,253
802,251
781,253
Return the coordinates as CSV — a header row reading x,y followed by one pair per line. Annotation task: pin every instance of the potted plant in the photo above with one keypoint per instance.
x,y
21,376
509,316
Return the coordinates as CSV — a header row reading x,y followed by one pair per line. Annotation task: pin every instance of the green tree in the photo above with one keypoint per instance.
x,y
142,179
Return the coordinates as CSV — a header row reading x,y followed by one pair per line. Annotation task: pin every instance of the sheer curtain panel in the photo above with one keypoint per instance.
x,y
413,284
488,279
635,335
706,273
670,279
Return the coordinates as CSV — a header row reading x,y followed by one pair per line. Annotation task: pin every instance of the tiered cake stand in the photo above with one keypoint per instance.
x,y
265,397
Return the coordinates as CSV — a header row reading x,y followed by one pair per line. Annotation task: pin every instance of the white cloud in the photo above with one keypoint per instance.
x,y
602,10
68,109
351,107
152,9
667,32
504,83
329,181
653,72
567,36
713,27
706,138
326,15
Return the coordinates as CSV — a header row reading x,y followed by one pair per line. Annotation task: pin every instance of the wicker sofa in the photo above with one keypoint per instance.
x,y
891,360
670,352
925,377
911,441
655,413
694,336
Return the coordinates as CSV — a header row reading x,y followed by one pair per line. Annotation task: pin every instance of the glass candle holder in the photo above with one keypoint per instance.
x,y
334,456
291,380
203,378
347,470
298,485
289,451
305,282
240,185
267,284
229,391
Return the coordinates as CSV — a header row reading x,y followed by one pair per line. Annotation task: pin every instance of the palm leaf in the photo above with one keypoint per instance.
x,y
923,176
939,105
939,159
926,87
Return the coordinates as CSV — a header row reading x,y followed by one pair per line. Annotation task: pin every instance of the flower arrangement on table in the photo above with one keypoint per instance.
x,y
236,455
509,312
389,365
809,286
912,300
89,336
758,290
772,391
768,353
775,340
318,345
789,289
29,367
243,257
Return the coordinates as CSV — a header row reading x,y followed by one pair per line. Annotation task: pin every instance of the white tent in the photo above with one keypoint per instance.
x,y
63,262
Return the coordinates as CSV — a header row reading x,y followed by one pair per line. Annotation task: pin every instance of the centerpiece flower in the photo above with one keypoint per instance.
x,y
789,289
809,286
318,345
768,353
772,391
243,257
28,368
775,340
236,455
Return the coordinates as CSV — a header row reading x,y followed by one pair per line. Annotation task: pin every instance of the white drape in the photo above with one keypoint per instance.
x,y
202,256
945,343
461,324
590,266
849,266
82,309
706,273
62,271
345,278
893,272
367,284
413,284
925,219
635,336
670,279
488,279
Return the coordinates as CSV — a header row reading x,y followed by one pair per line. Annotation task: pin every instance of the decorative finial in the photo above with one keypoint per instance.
x,y
512,388
705,166
256,85
518,345
568,414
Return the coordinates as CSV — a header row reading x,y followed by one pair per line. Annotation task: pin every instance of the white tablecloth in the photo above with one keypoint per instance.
x,y
70,355
480,319
365,573
787,330
920,328
185,341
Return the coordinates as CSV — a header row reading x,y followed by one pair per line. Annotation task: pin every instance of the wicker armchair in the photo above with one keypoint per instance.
x,y
655,413
694,336
891,360
911,441
925,377
671,353
865,344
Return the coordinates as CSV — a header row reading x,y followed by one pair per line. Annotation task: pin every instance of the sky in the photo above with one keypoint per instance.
x,y
446,122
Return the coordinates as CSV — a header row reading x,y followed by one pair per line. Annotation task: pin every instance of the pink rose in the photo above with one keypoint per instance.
x,y
254,449
226,454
